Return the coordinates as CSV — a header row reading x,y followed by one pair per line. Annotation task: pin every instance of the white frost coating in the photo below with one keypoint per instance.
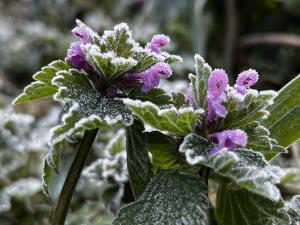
x,y
123,61
139,104
65,116
232,93
269,92
199,60
253,92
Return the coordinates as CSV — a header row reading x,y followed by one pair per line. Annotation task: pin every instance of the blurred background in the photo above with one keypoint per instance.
x,y
230,34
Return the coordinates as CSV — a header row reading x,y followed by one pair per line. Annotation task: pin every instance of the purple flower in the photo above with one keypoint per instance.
x,y
82,33
190,98
245,80
229,139
75,53
152,75
217,83
157,42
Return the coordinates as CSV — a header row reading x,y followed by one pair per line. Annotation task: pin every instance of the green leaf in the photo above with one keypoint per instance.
x,y
240,207
292,207
247,168
179,100
42,87
259,140
107,64
51,162
87,109
138,161
284,120
170,198
156,96
164,150
84,109
178,121
200,81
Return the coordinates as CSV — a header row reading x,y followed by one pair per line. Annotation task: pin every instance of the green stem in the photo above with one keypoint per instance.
x,y
63,204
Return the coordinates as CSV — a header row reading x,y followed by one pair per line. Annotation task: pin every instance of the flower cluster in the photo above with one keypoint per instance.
x,y
147,79
217,90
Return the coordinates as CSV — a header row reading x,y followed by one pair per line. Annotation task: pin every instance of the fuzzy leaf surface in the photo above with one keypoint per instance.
x,y
170,198
247,168
83,109
138,161
42,87
200,80
178,121
241,207
284,120
164,151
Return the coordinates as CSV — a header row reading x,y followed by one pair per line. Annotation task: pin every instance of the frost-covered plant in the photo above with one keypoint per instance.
x,y
97,73
216,134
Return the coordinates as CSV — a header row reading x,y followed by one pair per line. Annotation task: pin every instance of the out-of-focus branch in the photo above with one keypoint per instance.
x,y
272,39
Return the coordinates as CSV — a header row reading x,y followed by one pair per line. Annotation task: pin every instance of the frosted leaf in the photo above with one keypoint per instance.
x,y
5,204
199,81
87,109
283,121
84,109
179,121
238,206
156,96
23,187
292,207
259,140
42,87
170,198
15,129
138,161
247,168
107,170
107,64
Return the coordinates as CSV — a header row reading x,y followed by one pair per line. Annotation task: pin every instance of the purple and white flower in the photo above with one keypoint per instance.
x,y
75,53
229,140
157,42
245,80
217,83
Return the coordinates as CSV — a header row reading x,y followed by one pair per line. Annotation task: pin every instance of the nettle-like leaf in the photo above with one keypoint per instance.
x,y
156,96
239,206
170,198
84,109
200,80
178,121
43,86
137,158
284,122
87,108
244,167
107,64
164,151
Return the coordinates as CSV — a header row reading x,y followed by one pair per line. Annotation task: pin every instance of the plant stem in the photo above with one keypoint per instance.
x,y
63,204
